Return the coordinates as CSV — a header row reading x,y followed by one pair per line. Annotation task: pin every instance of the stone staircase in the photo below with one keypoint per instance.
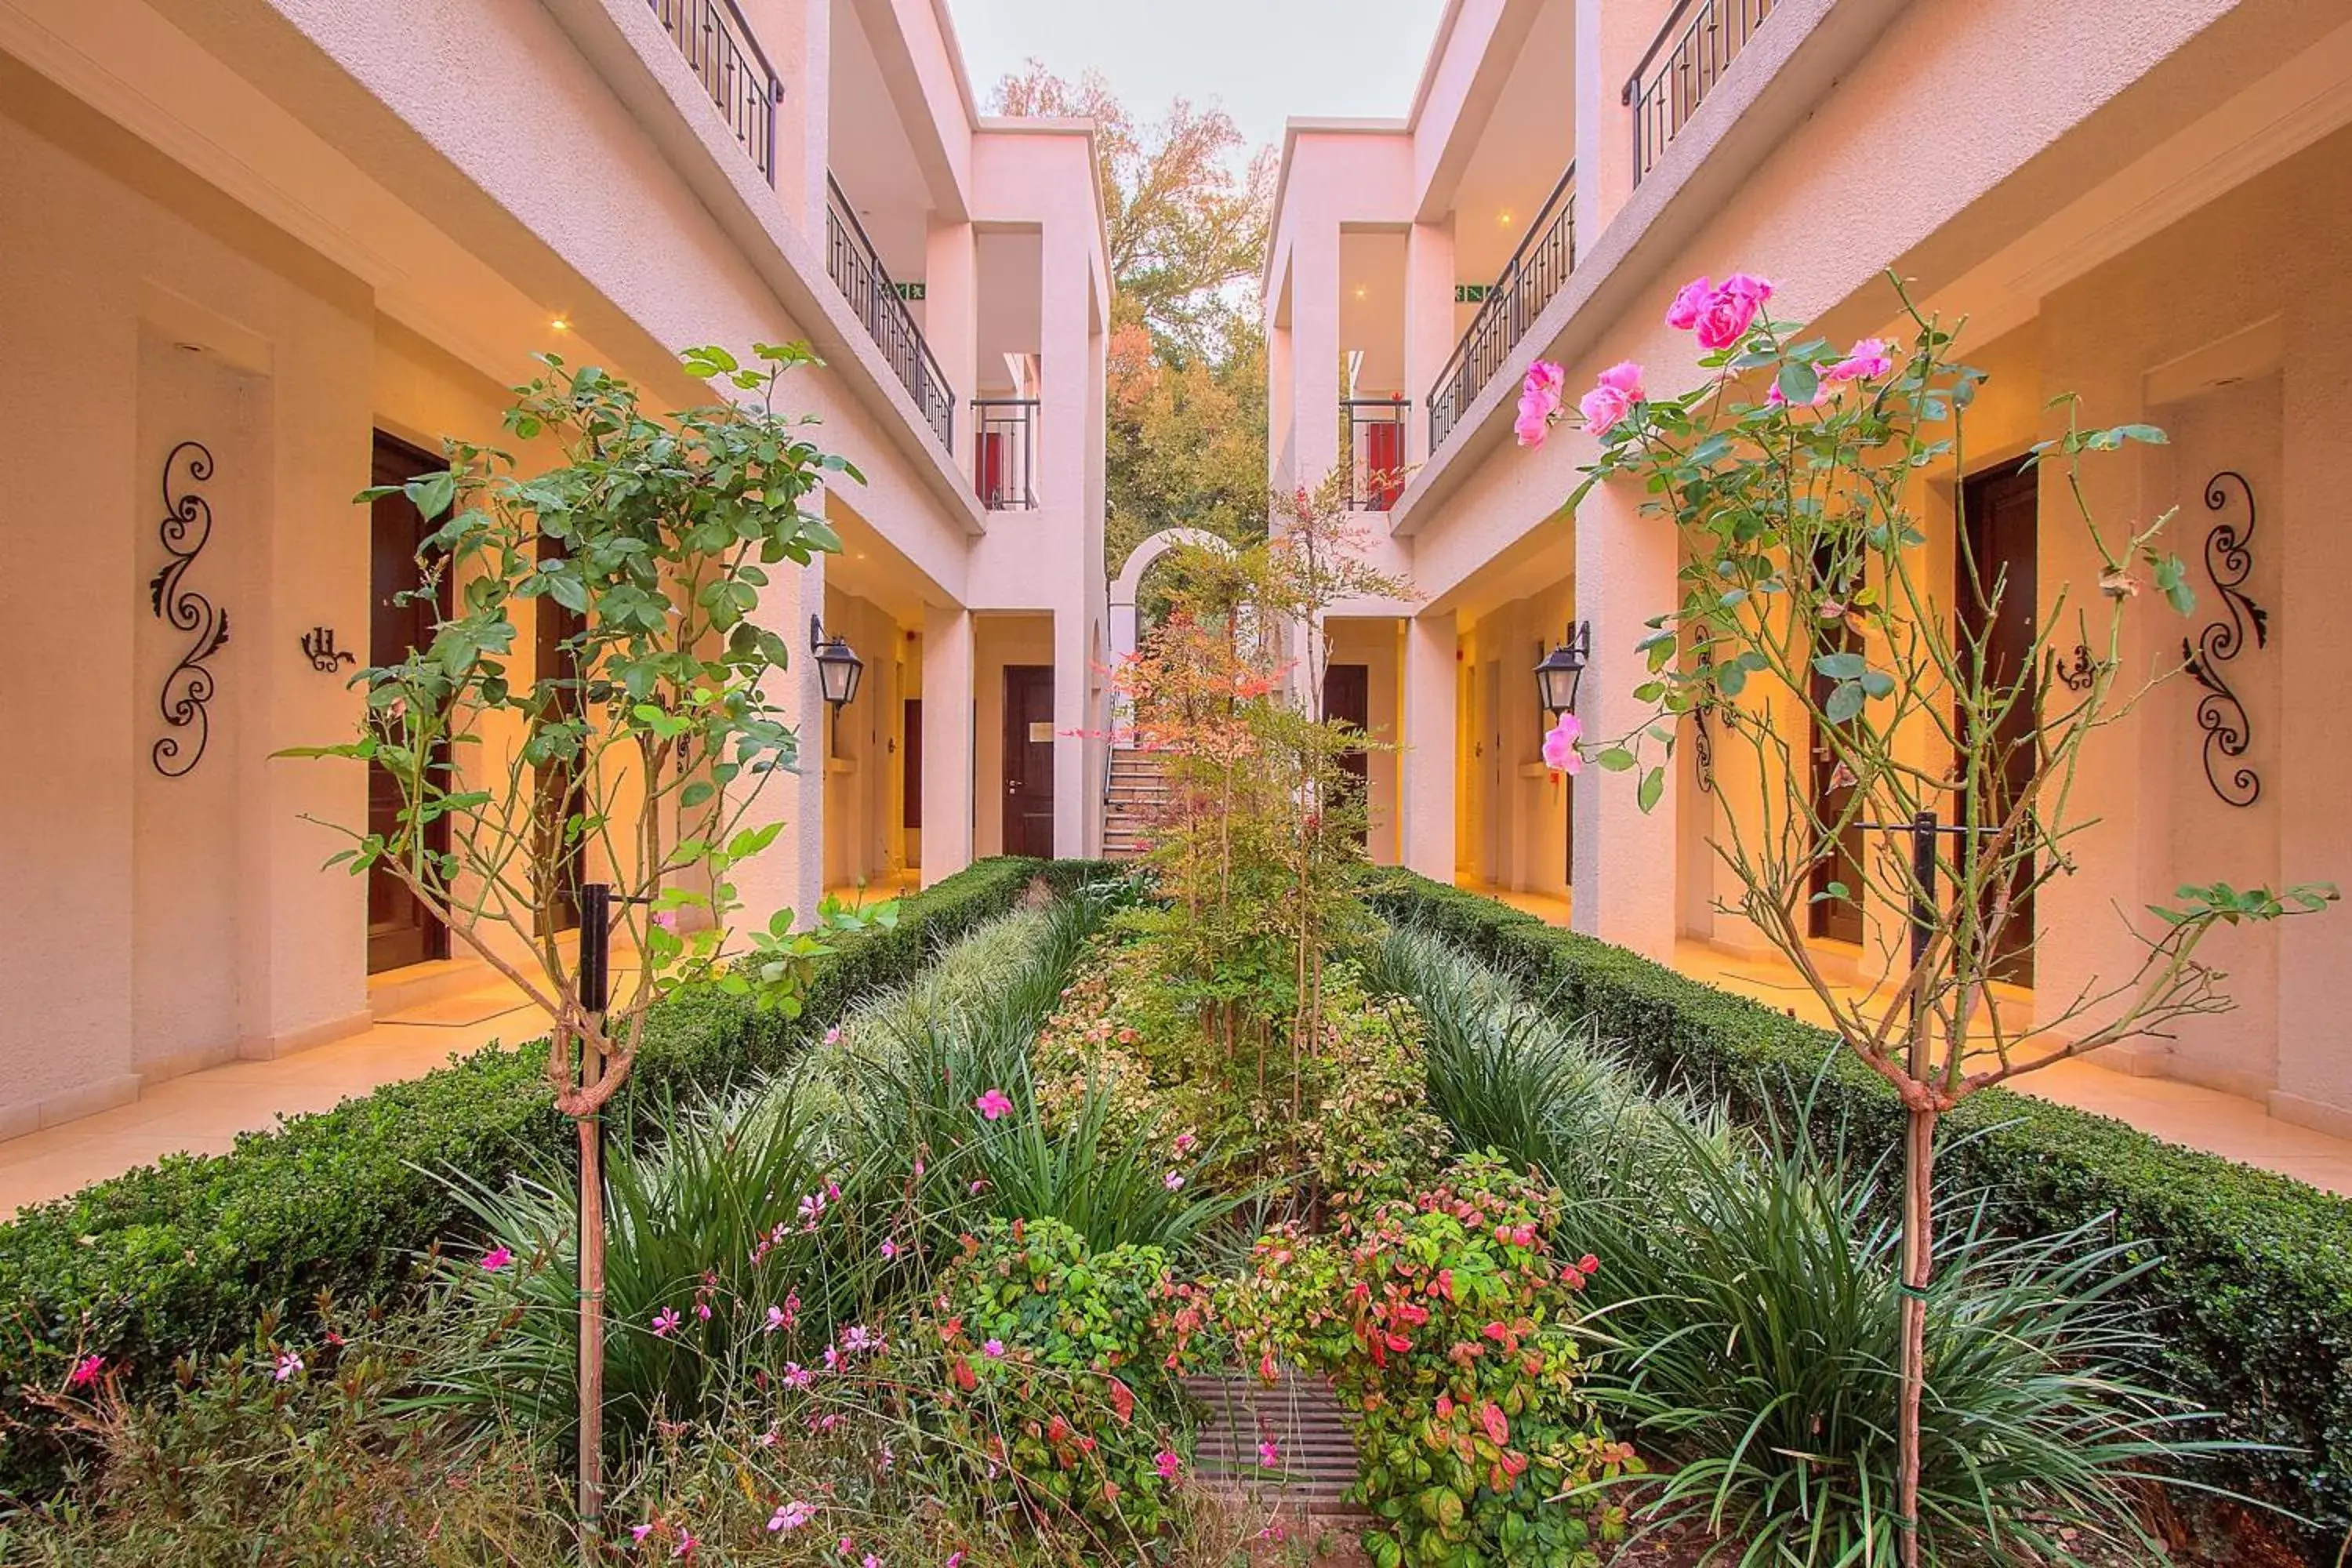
x,y
1132,799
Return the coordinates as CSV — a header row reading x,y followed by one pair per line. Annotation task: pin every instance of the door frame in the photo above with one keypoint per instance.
x,y
392,460
2014,963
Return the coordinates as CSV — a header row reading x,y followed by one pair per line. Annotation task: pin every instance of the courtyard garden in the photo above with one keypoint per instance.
x,y
1023,1221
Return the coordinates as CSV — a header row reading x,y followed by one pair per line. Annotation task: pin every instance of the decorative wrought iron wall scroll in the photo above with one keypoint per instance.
x,y
186,528
2229,562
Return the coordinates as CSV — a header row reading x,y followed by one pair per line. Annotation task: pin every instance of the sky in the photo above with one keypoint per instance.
x,y
1265,59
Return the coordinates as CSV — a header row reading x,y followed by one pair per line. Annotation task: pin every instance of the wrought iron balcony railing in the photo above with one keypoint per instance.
x,y
1004,452
1535,273
857,268
1371,432
726,58
1703,46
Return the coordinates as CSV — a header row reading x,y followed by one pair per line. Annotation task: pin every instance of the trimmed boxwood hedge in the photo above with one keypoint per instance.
x,y
2254,1296
182,1257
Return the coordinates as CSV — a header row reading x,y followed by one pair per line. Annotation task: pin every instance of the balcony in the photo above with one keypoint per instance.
x,y
1004,452
1667,88
718,46
1371,432
866,283
1535,273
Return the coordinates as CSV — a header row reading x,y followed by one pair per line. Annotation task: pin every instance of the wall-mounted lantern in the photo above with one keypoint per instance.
x,y
1560,671
838,667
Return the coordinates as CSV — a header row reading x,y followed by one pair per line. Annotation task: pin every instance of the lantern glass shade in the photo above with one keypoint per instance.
x,y
1558,675
838,668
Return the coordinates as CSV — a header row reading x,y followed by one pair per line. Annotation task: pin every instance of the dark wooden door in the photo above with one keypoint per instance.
x,y
559,794
910,782
1029,759
1835,913
1348,697
1994,582
400,930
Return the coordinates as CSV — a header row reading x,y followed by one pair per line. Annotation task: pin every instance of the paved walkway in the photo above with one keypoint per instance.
x,y
2183,1113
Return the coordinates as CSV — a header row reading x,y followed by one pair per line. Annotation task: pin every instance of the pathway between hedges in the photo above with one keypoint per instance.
x,y
2184,1114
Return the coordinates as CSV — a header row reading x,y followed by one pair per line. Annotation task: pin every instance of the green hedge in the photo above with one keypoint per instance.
x,y
183,1256
2253,1298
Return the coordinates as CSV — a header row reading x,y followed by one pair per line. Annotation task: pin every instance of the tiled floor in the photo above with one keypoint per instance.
x,y
2219,1123
203,1113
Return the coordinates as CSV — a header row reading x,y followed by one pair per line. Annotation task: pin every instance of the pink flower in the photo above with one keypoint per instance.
x,y
1184,1141
1620,388
832,1035
1171,1181
86,1372
289,1365
993,1350
890,1248
1167,1464
790,1517
776,1320
992,1104
871,1562
666,919
1683,313
666,1322
1539,397
638,1532
495,1258
1730,310
1559,753
686,1545
954,1559
1868,360
1269,1452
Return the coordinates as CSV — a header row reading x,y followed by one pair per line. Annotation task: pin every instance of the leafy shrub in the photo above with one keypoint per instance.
x,y
2251,1299
1445,1323
1048,1383
182,1257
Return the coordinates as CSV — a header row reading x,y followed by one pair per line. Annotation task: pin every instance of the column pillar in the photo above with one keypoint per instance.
x,y
947,741
1610,39
789,872
1429,336
1070,781
1428,764
1626,884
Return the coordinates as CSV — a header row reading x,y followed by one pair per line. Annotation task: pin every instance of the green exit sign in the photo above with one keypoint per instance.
x,y
1471,293
910,292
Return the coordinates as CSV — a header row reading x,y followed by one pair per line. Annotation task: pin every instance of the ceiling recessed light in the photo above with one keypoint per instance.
x,y
1504,217
1360,290
561,323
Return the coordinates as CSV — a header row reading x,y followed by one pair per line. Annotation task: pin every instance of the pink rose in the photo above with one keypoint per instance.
x,y
1683,313
1730,310
1868,360
1560,745
1534,422
1544,377
1539,398
1603,407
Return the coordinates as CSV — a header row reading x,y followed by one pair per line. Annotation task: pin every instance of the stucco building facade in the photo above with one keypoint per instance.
x,y
263,252
2142,202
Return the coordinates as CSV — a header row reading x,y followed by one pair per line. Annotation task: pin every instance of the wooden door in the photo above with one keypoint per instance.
x,y
559,794
1348,697
400,930
1834,916
1029,760
1994,584
910,778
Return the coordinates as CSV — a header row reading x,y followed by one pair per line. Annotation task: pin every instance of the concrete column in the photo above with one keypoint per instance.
x,y
1625,875
1071,783
947,741
1428,765
1429,335
1315,351
790,873
1610,39
951,314
798,41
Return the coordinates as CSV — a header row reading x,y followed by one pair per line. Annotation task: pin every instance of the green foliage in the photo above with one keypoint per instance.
x,y
1754,1300
2251,1299
1051,1384
182,1257
324,1463
1445,1323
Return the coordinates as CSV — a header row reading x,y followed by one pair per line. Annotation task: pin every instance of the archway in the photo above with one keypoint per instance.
x,y
1124,630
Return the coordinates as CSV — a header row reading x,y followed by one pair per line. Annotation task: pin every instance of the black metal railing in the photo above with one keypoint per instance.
x,y
856,267
1535,273
726,58
1690,57
1004,452
1371,432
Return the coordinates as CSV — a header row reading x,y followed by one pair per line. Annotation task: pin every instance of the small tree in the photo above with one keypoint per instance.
x,y
1809,622
1257,851
644,750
